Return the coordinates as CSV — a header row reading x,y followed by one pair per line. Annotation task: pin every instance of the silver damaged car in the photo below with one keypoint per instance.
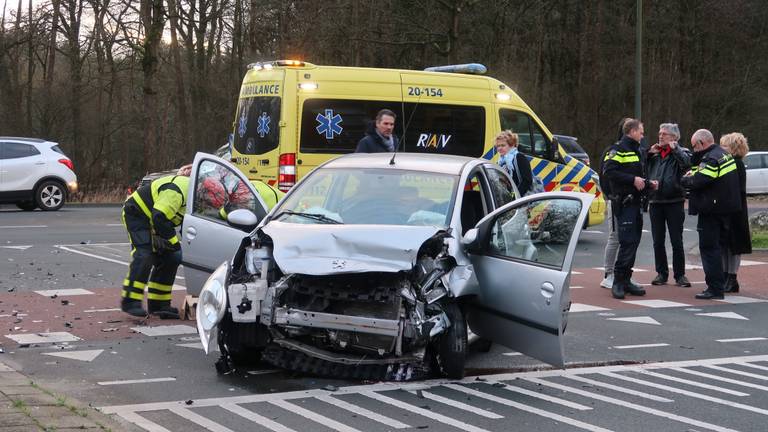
x,y
378,267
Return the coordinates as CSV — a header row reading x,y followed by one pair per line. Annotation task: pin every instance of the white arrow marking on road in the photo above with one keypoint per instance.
x,y
639,320
138,381
38,338
24,226
730,315
20,247
86,356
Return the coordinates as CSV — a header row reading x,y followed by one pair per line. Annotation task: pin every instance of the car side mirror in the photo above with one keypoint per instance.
x,y
243,219
470,240
555,151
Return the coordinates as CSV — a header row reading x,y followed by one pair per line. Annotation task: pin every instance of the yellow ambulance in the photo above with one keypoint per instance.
x,y
292,116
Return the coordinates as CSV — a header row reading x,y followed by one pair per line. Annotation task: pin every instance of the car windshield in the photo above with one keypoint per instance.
x,y
370,196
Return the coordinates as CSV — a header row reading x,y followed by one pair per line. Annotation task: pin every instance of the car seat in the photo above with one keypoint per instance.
x,y
471,210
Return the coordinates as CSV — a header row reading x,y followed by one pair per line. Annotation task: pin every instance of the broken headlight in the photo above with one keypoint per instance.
x,y
212,305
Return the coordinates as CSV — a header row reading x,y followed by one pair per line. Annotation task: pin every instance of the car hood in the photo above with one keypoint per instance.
x,y
324,249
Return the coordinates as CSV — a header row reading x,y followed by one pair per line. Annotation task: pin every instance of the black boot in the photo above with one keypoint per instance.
x,y
162,309
132,307
620,284
731,284
633,289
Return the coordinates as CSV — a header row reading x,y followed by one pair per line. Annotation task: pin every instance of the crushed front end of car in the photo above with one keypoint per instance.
x,y
348,301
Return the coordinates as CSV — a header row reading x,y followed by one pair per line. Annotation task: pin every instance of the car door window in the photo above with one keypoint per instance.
x,y
219,191
18,150
753,162
502,190
531,139
474,205
537,232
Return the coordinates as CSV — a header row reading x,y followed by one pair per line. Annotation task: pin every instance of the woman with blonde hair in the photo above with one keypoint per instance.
x,y
740,239
514,162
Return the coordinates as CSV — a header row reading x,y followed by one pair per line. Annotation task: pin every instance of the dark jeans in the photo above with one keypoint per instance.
x,y
668,216
629,227
713,238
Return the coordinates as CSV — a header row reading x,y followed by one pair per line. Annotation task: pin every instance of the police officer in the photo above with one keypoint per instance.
x,y
714,185
151,215
623,169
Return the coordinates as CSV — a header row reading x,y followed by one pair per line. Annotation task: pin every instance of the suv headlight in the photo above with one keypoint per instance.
x,y
212,305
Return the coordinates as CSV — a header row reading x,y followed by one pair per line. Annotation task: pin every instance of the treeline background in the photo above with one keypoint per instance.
x,y
130,86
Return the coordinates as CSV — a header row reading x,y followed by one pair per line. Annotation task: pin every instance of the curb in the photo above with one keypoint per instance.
x,y
26,406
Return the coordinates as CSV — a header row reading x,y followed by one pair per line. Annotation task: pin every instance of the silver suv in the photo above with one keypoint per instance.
x,y
35,173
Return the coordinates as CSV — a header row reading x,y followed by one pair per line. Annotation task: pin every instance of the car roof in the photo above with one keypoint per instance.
x,y
444,164
26,140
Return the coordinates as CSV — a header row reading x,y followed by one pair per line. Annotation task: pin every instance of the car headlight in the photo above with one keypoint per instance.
x,y
212,305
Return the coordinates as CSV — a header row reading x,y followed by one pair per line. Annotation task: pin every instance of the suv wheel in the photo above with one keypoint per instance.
x,y
26,205
50,195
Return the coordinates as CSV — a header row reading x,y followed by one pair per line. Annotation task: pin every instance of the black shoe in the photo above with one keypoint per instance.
x,y
163,309
617,290
731,284
635,290
683,281
709,295
132,307
659,280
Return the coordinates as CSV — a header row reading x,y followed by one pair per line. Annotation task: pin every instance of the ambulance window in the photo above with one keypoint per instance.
x,y
445,129
256,125
531,140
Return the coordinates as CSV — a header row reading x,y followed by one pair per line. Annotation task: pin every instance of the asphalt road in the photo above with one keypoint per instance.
x,y
714,354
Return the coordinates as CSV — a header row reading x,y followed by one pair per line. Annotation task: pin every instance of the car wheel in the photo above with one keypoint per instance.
x,y
26,205
50,195
450,349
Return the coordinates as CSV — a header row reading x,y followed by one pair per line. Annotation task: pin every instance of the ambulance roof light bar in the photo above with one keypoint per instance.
x,y
468,68
271,64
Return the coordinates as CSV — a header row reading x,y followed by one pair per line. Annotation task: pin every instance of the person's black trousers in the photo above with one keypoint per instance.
x,y
629,226
668,216
713,237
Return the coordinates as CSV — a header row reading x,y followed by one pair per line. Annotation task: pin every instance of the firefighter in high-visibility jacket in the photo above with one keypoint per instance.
x,y
151,215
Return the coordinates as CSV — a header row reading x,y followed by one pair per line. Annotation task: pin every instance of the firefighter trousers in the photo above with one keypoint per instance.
x,y
149,269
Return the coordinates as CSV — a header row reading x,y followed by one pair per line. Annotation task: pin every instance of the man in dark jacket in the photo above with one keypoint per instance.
x,y
379,137
667,163
714,185
624,171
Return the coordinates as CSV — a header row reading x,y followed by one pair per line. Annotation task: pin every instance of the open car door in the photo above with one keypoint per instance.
x,y
522,255
216,188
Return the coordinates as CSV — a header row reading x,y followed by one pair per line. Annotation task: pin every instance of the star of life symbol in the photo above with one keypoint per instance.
x,y
241,128
329,124
263,127
339,264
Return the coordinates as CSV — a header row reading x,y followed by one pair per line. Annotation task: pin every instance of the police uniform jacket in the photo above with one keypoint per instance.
x,y
621,165
164,203
714,182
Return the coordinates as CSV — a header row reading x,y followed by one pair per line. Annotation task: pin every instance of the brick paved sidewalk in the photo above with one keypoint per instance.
x,y
26,407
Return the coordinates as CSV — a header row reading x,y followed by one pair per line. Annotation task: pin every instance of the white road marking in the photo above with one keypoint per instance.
x,y
458,405
741,339
86,356
264,371
639,320
512,354
737,372
362,412
580,307
64,292
101,310
22,226
721,379
196,345
40,338
422,412
754,366
694,395
200,420
576,272
115,225
592,231
136,381
5,368
530,409
641,346
20,247
311,415
69,249
643,409
169,330
693,383
576,287
655,303
729,315
741,300
542,396
143,423
751,263
646,231
619,389
260,420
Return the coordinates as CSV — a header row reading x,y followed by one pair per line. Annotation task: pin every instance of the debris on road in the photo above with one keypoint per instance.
x,y
330,388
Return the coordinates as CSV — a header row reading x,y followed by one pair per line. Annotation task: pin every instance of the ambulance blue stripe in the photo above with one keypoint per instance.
x,y
489,154
538,168
549,176
585,180
574,171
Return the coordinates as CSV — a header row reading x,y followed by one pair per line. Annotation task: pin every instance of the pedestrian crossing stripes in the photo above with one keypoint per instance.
x,y
597,399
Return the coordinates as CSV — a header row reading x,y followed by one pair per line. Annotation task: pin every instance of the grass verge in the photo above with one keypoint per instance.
x,y
760,239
